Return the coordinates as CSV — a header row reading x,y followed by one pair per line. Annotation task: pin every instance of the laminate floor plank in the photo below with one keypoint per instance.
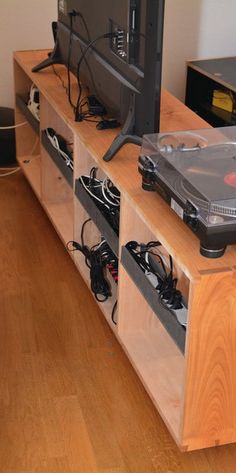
x,y
70,402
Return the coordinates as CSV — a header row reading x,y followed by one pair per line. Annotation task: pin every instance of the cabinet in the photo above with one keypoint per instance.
x,y
205,76
189,374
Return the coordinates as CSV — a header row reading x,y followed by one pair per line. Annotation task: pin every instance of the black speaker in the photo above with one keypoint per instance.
x,y
7,138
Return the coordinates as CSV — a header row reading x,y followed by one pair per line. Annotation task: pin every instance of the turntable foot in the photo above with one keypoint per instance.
x,y
212,252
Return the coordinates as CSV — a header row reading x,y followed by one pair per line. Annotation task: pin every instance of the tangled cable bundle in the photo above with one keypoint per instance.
x,y
99,258
164,281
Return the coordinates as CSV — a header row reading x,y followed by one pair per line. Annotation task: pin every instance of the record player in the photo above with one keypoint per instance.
x,y
195,172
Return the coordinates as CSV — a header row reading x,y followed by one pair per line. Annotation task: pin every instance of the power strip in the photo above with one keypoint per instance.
x,y
105,196
160,275
60,145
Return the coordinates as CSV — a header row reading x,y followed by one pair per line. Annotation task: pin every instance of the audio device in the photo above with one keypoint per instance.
x,y
195,173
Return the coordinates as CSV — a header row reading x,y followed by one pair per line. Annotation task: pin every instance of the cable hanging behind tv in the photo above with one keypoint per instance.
x,y
117,52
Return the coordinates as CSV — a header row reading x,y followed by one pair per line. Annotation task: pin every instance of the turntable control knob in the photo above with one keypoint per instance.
x,y
147,168
190,209
190,216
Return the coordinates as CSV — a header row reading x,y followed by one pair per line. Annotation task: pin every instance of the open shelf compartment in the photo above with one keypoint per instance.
x,y
168,320
57,159
92,236
21,102
152,352
57,198
97,217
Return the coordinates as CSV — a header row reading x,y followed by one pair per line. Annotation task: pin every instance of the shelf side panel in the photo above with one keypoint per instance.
x,y
210,392
21,104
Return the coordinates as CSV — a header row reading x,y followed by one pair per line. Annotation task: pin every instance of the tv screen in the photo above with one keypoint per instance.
x,y
118,46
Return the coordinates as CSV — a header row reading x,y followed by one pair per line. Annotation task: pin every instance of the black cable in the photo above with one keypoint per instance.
x,y
84,117
107,203
85,60
82,230
80,16
113,313
68,63
85,25
75,245
71,16
68,87
98,258
89,46
99,284
170,296
160,260
60,78
85,250
76,108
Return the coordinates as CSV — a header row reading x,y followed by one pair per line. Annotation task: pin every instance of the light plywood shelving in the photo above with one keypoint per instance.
x,y
31,164
189,374
27,136
57,197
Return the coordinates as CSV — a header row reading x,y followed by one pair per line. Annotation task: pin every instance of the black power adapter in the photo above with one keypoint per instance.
x,y
107,124
95,107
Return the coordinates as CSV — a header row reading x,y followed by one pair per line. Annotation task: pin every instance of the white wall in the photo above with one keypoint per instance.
x,y
24,24
217,28
195,29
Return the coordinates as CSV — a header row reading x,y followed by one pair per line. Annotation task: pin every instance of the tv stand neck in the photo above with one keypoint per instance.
x,y
127,134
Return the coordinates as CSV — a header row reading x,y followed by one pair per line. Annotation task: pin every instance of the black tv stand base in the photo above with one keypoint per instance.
x,y
118,142
127,134
46,63
54,57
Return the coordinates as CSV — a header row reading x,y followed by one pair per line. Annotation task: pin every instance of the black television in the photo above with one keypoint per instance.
x,y
118,46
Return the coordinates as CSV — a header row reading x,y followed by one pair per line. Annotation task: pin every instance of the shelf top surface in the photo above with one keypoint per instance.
x,y
221,70
165,225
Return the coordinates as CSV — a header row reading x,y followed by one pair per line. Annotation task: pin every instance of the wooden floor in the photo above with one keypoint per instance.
x,y
70,401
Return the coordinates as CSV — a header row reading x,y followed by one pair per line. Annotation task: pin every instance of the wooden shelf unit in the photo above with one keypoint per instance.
x,y
205,76
194,389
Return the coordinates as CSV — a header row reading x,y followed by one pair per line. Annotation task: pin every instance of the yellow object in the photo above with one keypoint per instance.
x,y
222,100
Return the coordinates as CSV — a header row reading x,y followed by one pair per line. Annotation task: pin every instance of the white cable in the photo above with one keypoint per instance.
x,y
94,196
105,197
100,244
9,173
116,196
99,183
13,126
54,142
